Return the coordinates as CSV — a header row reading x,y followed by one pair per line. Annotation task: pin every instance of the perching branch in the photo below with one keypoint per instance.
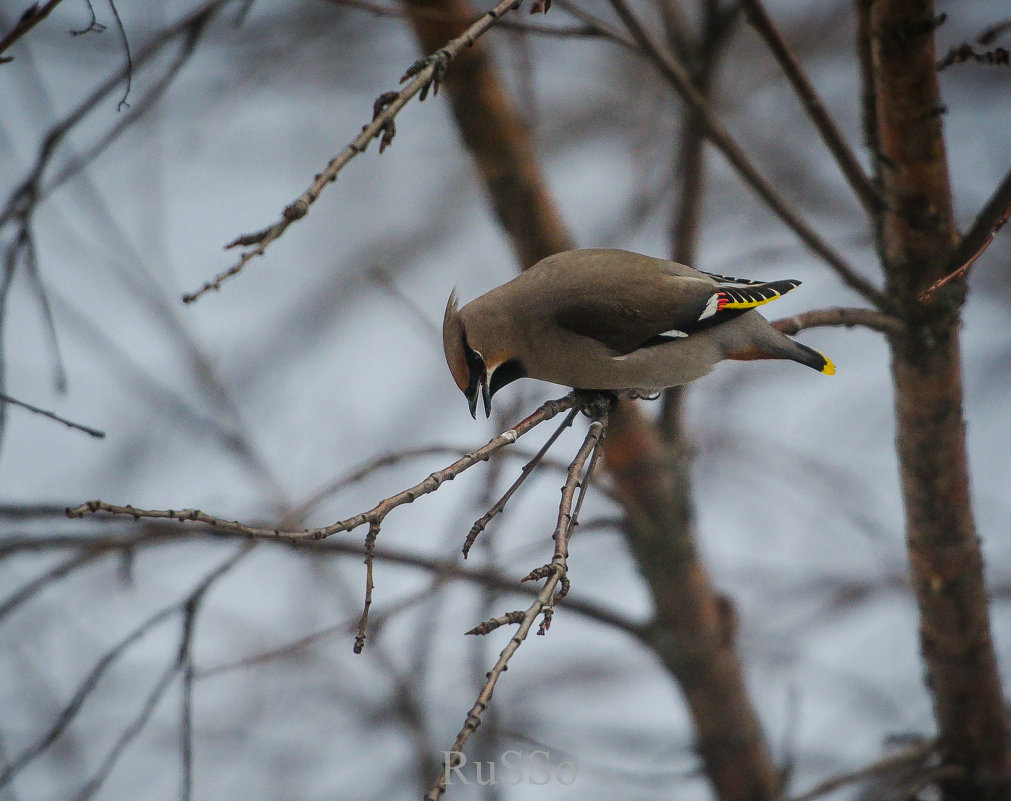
x,y
424,74
374,516
528,468
555,575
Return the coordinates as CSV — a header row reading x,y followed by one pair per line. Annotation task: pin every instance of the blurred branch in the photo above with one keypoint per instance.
x,y
590,29
424,74
833,138
868,105
93,432
913,757
680,79
959,54
155,534
31,17
555,575
91,680
54,574
20,202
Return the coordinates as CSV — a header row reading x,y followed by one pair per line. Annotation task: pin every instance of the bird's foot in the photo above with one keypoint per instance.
x,y
596,402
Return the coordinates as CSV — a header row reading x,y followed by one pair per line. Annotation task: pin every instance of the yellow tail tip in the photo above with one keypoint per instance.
x,y
829,368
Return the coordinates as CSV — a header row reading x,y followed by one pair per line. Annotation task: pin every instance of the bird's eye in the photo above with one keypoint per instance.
x,y
475,361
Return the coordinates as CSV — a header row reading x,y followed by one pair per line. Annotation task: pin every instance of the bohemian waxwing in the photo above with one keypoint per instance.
x,y
612,319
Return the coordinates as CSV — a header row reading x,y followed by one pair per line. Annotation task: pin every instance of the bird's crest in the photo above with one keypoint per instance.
x,y
454,343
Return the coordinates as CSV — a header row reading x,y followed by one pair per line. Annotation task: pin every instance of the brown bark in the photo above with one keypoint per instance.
x,y
918,239
692,632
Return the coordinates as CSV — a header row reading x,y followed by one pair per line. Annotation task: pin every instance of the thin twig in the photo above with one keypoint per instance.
x,y
55,573
989,221
423,75
128,69
93,432
678,76
840,315
528,468
833,138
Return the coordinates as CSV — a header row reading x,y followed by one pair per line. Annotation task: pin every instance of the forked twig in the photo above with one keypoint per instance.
x,y
528,468
375,515
423,75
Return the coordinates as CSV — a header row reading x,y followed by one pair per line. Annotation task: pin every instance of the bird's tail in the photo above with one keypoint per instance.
x,y
751,336
812,358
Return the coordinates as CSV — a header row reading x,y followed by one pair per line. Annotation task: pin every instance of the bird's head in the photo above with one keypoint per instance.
x,y
478,357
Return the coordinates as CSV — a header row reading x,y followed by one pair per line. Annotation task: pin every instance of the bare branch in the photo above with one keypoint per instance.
x,y
833,138
910,757
588,30
839,315
93,432
424,74
69,712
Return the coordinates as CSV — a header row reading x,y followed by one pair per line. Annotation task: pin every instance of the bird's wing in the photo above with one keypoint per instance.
x,y
637,311
643,314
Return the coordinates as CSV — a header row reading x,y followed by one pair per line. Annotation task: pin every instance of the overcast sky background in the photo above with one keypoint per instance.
x,y
306,366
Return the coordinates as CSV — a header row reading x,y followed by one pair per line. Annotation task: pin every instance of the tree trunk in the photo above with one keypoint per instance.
x,y
918,239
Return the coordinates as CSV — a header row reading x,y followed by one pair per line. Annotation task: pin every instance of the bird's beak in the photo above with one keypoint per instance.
x,y
486,392
473,389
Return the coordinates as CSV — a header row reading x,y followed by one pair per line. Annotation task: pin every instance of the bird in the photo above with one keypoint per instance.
x,y
606,319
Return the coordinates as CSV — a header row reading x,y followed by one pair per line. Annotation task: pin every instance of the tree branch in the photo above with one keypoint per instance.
x,y
374,516
833,138
918,241
838,315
